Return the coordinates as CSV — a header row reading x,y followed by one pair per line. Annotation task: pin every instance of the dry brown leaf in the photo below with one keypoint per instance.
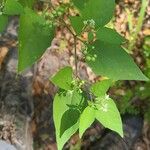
x,y
3,53
146,32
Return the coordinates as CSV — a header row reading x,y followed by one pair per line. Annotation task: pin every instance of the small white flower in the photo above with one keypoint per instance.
x,y
85,22
70,92
142,88
92,22
104,107
107,97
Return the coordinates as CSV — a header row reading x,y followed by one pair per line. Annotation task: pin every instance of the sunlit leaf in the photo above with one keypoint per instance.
x,y
86,119
100,88
60,106
108,115
63,78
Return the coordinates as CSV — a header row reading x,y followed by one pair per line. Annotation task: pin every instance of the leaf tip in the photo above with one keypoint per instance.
x,y
80,133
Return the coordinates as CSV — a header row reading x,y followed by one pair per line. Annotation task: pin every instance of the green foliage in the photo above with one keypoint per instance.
x,y
100,88
3,22
105,109
108,115
76,114
125,103
72,103
69,118
74,108
28,3
135,100
110,36
106,112
86,119
128,99
146,46
96,10
112,61
77,24
60,106
134,30
13,7
34,37
63,78
146,52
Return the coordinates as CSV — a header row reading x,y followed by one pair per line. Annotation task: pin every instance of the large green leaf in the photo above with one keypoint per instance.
x,y
100,88
3,22
34,38
77,24
108,115
63,78
101,11
60,106
13,7
69,119
86,119
28,3
112,61
80,4
110,36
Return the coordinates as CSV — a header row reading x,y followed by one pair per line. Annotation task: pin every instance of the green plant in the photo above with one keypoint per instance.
x,y
76,108
134,30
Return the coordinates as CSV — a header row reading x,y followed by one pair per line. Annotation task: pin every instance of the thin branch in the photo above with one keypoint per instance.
x,y
65,24
75,56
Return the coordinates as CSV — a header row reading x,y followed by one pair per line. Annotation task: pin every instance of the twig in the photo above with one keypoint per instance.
x,y
75,56
65,24
139,24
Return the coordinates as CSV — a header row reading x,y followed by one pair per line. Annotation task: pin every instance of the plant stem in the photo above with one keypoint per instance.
x,y
139,24
75,44
75,47
75,56
68,28
129,18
